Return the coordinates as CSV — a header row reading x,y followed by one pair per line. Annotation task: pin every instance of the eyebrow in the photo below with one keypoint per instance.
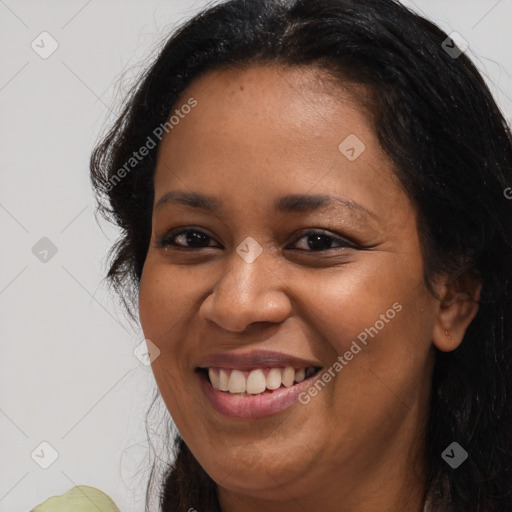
x,y
292,203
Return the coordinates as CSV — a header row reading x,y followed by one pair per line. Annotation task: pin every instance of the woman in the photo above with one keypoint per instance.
x,y
316,235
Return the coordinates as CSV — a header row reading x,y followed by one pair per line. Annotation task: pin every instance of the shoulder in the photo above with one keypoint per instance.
x,y
82,498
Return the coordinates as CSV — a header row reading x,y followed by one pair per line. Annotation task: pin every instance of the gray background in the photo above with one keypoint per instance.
x,y
68,375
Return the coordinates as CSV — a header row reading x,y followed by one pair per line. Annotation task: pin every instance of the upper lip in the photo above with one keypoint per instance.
x,y
255,359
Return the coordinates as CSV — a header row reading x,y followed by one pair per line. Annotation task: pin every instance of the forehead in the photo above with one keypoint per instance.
x,y
272,128
291,86
284,109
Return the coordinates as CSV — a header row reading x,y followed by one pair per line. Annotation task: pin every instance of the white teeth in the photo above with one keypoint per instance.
x,y
214,377
234,381
256,382
274,378
300,375
288,376
223,380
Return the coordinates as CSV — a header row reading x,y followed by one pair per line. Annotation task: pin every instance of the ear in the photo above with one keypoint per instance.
x,y
458,306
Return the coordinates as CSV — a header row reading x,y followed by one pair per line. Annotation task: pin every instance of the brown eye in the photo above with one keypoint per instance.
x,y
316,241
321,241
188,239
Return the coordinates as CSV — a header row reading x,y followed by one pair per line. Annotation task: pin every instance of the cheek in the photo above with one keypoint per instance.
x,y
378,318
343,303
160,311
162,299
386,356
148,298
168,302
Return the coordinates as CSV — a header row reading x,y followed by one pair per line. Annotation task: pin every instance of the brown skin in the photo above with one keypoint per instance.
x,y
258,134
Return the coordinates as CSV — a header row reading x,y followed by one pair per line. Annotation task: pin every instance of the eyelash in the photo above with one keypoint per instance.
x,y
168,240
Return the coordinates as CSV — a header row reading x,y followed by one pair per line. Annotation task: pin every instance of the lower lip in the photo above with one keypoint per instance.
x,y
257,406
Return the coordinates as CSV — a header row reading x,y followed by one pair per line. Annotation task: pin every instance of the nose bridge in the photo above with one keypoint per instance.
x,y
246,273
245,280
247,292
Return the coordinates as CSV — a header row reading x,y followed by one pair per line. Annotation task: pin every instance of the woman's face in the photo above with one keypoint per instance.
x,y
304,246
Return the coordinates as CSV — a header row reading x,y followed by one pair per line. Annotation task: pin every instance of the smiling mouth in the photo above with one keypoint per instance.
x,y
259,381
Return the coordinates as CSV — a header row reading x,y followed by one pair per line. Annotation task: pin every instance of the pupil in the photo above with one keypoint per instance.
x,y
194,238
316,245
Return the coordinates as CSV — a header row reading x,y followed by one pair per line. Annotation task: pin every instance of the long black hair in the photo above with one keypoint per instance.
x,y
436,118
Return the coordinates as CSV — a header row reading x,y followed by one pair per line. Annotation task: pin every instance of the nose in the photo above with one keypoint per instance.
x,y
246,293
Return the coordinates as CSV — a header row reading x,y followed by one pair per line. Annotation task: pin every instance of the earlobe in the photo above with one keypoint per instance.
x,y
444,340
457,309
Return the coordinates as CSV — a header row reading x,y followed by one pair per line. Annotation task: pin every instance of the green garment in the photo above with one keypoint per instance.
x,y
78,499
